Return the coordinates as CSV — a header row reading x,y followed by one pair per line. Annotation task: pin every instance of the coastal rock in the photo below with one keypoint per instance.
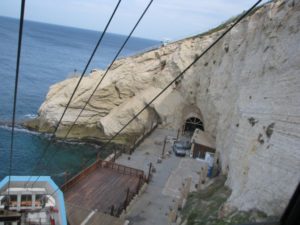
x,y
128,86
246,90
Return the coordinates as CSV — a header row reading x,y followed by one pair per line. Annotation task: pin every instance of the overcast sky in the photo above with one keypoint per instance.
x,y
172,19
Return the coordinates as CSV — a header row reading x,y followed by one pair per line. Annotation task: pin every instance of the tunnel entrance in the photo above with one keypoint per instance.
x,y
191,124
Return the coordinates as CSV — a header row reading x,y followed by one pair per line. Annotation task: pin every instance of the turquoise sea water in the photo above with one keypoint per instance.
x,y
50,54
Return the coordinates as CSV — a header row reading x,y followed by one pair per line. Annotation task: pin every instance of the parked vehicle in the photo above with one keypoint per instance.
x,y
178,149
186,144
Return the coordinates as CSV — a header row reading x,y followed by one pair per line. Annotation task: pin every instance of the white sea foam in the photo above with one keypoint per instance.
x,y
30,116
62,174
72,142
19,129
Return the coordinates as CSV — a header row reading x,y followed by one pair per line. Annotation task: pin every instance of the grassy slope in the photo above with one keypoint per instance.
x,y
203,207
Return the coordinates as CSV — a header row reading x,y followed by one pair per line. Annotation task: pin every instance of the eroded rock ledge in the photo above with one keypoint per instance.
x,y
246,90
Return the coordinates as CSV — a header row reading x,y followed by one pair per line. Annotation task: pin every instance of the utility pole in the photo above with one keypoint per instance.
x,y
149,172
163,150
178,131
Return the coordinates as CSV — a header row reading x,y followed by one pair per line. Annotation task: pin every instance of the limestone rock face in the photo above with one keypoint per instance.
x,y
246,90
128,86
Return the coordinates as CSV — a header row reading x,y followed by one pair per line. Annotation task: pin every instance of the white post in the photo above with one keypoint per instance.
x,y
192,150
33,201
18,202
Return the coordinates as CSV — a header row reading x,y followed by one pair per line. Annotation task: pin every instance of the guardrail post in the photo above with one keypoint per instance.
x,y
112,209
127,199
65,176
134,145
149,172
139,184
163,150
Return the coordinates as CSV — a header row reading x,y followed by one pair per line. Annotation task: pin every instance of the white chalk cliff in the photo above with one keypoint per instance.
x,y
246,90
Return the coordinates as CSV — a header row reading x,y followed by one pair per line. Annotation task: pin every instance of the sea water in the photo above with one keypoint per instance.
x,y
50,54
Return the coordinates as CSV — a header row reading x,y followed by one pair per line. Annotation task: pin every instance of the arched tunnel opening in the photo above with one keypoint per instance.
x,y
191,124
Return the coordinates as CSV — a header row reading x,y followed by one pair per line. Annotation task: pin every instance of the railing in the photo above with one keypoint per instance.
x,y
140,139
82,174
121,168
28,222
129,196
102,164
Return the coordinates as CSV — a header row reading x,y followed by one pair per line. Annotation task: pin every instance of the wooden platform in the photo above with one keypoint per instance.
x,y
103,185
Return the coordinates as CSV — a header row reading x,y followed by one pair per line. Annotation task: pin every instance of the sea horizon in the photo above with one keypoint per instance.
x,y
79,28
50,53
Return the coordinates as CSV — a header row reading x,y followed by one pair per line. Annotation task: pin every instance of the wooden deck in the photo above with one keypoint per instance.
x,y
103,185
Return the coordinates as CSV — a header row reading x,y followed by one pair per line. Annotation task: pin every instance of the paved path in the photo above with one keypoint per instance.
x,y
187,168
153,205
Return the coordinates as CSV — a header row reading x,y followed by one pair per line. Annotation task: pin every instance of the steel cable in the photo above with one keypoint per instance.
x,y
103,76
52,137
178,76
21,23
